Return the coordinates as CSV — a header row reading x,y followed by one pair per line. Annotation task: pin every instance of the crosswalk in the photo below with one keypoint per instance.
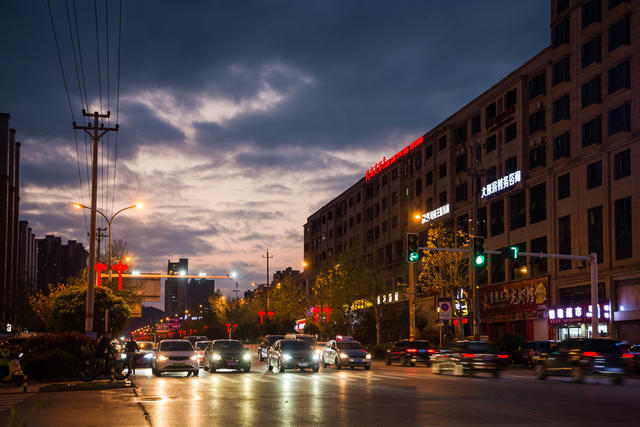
x,y
7,400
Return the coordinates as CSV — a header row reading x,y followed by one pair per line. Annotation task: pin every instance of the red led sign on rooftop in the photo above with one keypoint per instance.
x,y
385,163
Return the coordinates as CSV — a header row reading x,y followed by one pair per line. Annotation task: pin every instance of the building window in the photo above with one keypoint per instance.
x,y
560,34
491,174
377,210
518,213
418,187
394,221
370,213
591,92
536,122
561,109
442,143
385,226
614,3
539,265
497,268
622,164
591,52
623,228
491,143
358,197
620,119
475,124
377,232
428,150
561,71
619,34
591,12
384,203
429,204
564,241
417,161
562,146
619,77
511,165
564,186
511,132
443,198
536,86
538,203
385,179
511,98
592,132
394,198
461,163
537,157
358,218
394,174
461,133
594,175
461,192
351,222
561,6
594,216
428,178
497,217
442,170
490,111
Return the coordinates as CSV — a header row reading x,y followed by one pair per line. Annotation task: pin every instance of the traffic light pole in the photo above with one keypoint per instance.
x,y
591,258
412,304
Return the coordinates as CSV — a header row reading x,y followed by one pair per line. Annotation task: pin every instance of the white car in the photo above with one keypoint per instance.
x,y
175,356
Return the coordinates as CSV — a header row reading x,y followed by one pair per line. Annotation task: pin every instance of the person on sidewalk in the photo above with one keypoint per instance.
x,y
131,347
103,348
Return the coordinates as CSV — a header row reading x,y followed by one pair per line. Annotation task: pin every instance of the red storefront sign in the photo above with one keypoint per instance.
x,y
505,301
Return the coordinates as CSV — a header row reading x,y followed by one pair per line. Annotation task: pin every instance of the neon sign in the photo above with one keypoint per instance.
x,y
385,163
501,184
442,210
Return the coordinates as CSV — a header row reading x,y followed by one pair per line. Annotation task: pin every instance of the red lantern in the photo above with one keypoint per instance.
x,y
99,267
120,267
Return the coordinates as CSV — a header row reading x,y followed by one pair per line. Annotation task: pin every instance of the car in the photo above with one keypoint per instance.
x,y
534,352
632,354
266,343
200,347
409,352
227,354
193,339
468,357
580,357
345,353
175,356
144,356
292,354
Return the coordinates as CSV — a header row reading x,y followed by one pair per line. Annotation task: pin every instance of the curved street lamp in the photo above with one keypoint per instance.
x,y
109,221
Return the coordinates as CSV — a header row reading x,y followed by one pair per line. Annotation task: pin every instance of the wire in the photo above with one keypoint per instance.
x,y
84,84
95,10
115,154
106,18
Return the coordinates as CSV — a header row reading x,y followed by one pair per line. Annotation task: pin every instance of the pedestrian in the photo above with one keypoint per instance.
x,y
104,348
131,347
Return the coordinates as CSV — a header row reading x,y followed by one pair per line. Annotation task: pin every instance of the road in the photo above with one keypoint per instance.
x,y
394,396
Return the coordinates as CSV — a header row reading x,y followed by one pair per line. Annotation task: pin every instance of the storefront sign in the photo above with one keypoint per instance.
x,y
501,184
515,297
575,314
436,213
385,163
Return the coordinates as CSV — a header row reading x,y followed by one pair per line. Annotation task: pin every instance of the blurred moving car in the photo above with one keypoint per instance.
x,y
409,352
292,354
345,353
533,352
193,339
580,357
144,356
266,343
200,347
631,354
467,357
175,356
227,354
311,339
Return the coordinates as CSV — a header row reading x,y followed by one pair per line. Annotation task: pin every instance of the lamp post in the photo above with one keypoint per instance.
x,y
109,221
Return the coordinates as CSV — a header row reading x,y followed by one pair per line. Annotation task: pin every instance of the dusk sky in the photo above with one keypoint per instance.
x,y
239,119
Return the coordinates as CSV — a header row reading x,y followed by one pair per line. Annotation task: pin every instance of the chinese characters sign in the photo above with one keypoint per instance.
x,y
524,295
576,314
442,210
501,184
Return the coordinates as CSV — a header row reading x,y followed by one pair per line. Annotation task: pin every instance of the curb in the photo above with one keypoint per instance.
x,y
84,386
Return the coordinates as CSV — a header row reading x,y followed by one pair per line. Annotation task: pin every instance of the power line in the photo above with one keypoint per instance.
x,y
106,25
84,85
95,10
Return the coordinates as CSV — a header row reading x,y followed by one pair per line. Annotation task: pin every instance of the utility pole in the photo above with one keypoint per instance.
x,y
412,304
95,132
236,290
268,281
99,236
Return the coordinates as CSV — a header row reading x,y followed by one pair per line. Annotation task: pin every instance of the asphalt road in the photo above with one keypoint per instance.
x,y
393,396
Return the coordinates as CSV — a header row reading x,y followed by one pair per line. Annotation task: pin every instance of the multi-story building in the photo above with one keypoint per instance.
x,y
175,289
58,262
27,267
554,142
198,293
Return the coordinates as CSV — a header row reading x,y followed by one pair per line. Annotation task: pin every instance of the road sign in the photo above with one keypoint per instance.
x,y
444,309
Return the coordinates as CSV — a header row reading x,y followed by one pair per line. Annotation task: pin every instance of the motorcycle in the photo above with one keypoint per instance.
x,y
10,369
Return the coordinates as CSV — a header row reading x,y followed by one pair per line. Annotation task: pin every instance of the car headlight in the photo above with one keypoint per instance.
x,y
123,356
194,357
368,356
162,358
286,357
148,356
246,356
216,356
343,355
316,356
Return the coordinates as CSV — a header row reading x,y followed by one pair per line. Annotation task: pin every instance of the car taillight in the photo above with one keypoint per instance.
x,y
431,350
590,354
469,355
503,356
412,350
627,356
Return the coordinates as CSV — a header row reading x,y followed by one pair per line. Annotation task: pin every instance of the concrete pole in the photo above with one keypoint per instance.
x,y
594,296
412,304
88,322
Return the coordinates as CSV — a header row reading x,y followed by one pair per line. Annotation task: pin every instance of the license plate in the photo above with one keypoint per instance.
x,y
302,365
230,363
422,351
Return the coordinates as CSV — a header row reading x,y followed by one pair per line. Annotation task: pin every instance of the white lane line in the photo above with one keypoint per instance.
x,y
7,402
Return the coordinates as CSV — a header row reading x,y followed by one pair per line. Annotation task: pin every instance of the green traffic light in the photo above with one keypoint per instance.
x,y
413,256
479,259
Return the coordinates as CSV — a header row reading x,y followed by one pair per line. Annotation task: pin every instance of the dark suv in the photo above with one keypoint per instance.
x,y
467,357
266,342
409,352
579,357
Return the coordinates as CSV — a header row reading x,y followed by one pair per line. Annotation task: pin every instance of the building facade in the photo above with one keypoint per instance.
x,y
553,144
58,262
175,289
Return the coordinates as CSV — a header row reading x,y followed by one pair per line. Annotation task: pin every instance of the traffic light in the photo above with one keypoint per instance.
x,y
412,247
510,252
479,259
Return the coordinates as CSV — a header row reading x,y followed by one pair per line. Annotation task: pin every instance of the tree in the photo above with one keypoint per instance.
x,y
43,304
131,289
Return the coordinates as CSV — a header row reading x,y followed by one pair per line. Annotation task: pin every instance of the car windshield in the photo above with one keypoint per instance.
x,y
176,346
349,345
201,345
295,345
274,338
227,345
310,340
414,344
601,346
145,345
